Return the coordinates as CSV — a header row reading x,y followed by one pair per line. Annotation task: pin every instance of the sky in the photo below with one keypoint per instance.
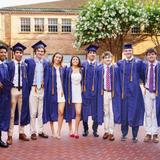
x,y
8,3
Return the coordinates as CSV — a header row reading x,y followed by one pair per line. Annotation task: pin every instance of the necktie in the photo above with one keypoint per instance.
x,y
39,75
151,78
108,78
19,72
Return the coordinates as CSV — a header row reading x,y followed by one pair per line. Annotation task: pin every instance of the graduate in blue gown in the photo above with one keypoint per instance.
x,y
54,96
73,93
110,89
89,93
5,97
152,96
132,110
35,73
19,93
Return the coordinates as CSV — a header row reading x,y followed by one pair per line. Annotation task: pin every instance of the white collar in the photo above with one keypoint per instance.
x,y
91,61
16,62
154,64
107,65
129,59
38,60
1,62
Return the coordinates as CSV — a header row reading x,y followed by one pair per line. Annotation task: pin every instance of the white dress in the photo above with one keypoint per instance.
x,y
76,87
60,93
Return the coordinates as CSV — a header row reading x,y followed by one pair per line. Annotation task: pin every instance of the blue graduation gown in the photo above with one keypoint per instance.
x,y
69,109
157,76
25,115
31,64
5,98
50,110
132,110
89,94
116,93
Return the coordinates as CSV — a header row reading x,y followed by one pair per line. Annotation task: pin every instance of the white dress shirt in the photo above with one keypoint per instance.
x,y
15,79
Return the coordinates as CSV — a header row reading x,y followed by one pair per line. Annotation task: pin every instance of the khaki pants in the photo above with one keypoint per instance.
x,y
16,99
36,109
108,113
151,126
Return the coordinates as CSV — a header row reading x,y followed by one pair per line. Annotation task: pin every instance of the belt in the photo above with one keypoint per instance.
x,y
107,90
36,86
150,91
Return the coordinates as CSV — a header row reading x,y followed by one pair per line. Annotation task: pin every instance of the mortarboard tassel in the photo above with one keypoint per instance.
x,y
112,80
157,81
52,80
124,66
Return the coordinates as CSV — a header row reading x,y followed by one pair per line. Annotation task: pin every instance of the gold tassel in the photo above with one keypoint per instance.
x,y
157,81
112,80
131,75
84,87
123,80
52,80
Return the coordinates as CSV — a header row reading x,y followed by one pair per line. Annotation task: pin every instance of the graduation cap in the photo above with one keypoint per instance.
x,y
92,48
18,47
39,44
127,46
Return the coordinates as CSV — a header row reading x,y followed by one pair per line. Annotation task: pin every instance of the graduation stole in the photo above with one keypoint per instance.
x,y
84,88
156,76
112,78
131,74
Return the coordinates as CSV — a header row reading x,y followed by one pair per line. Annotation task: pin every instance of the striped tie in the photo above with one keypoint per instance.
x,y
108,78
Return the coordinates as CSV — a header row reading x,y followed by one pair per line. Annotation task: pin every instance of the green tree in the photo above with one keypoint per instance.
x,y
107,22
153,27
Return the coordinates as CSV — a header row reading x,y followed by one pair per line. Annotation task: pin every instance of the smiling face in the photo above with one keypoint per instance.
x,y
107,60
57,60
40,52
18,55
91,56
75,61
151,57
128,53
3,54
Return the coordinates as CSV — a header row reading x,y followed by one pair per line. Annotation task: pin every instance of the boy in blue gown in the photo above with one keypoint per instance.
x,y
152,96
109,95
35,73
89,94
19,93
132,110
5,103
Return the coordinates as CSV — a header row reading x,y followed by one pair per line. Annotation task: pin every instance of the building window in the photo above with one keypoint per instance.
x,y
136,30
39,25
66,25
52,25
25,25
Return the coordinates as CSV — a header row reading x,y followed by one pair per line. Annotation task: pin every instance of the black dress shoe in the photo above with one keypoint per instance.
x,y
3,145
134,140
43,135
95,134
85,133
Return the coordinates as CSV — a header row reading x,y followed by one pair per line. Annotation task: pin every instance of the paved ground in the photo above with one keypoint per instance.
x,y
89,148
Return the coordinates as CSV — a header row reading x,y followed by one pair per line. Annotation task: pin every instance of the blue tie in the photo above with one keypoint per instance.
x,y
39,70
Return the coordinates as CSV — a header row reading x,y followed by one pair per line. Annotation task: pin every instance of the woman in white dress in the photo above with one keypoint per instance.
x,y
54,102
73,94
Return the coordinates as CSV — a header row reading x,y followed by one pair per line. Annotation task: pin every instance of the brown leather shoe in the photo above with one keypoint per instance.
x,y
111,137
106,135
34,136
147,138
155,138
23,137
9,140
43,135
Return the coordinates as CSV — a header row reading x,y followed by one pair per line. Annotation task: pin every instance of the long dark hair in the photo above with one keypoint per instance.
x,y
54,57
79,64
